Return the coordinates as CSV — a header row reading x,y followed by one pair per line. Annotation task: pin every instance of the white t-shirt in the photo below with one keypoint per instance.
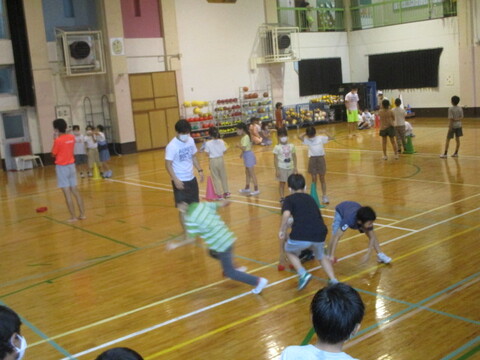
x,y
310,352
351,101
284,154
180,154
399,114
408,129
215,148
79,148
315,145
366,116
90,140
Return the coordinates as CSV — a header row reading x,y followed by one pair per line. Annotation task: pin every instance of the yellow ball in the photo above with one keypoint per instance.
x,y
197,111
187,104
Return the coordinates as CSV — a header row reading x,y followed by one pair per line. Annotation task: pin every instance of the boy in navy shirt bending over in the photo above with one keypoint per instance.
x,y
350,214
308,230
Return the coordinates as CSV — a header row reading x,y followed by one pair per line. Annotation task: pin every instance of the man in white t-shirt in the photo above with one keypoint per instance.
x,y
337,311
351,103
180,158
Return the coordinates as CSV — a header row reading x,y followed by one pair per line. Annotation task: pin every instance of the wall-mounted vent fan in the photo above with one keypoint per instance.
x,y
80,52
277,44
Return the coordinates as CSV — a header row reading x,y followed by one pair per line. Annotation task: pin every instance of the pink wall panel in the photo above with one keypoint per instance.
x,y
141,19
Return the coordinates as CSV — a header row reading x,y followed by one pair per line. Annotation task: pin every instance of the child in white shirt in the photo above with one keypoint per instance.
x,y
80,151
215,149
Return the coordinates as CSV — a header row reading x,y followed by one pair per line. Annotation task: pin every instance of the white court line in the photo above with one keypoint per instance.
x,y
178,318
248,203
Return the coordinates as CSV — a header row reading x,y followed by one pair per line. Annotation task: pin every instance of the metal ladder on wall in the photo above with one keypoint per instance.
x,y
106,118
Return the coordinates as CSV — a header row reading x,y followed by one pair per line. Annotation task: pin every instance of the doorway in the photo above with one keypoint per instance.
x,y
14,130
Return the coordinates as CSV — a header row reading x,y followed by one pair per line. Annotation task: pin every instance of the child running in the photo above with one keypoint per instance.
x,y
316,157
455,116
80,151
387,120
203,220
215,149
308,230
285,160
249,160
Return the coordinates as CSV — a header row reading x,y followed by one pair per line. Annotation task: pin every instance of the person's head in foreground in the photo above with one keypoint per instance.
x,y
119,353
12,344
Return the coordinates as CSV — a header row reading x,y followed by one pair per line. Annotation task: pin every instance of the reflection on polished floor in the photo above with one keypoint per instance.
x,y
109,280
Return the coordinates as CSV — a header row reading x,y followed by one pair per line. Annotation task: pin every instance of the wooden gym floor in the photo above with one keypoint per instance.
x,y
109,281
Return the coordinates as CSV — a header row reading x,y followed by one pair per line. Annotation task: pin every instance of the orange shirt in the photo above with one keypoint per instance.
x,y
63,149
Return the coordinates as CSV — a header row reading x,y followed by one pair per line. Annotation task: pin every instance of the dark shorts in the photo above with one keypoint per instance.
x,y
455,132
317,165
390,131
189,194
81,159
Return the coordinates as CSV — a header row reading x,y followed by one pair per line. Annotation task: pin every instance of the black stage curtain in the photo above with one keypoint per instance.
x,y
316,76
405,70
21,53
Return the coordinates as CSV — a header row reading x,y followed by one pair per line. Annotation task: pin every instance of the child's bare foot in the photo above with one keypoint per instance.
x,y
72,220
82,217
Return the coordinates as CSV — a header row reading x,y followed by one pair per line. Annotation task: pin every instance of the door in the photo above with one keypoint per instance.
x,y
14,130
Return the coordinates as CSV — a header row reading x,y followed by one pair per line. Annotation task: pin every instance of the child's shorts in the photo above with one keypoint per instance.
x,y
317,165
66,175
455,132
296,247
81,159
284,174
390,132
249,159
104,155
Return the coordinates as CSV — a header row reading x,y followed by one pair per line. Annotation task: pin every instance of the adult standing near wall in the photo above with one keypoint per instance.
x,y
351,103
180,158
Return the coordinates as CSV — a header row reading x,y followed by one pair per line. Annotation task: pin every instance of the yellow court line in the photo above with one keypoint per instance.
x,y
279,306
118,316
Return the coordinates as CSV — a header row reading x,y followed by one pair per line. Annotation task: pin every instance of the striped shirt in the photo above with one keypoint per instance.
x,y
202,219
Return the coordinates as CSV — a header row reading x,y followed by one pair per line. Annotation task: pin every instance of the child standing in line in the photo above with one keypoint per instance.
x,y
316,157
455,116
285,160
265,134
103,152
202,219
80,151
92,149
387,120
308,230
399,113
215,149
249,160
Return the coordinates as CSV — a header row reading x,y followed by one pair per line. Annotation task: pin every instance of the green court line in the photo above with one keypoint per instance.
x,y
39,264
40,333
92,233
464,347
470,353
112,257
413,306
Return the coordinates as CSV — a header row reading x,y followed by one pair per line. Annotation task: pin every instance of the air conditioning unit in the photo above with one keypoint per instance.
x,y
80,52
277,44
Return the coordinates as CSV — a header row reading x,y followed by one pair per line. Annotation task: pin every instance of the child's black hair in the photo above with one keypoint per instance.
x,y
455,100
278,105
60,125
214,133
311,131
244,127
296,182
386,104
398,102
182,126
282,131
336,311
100,128
75,127
366,213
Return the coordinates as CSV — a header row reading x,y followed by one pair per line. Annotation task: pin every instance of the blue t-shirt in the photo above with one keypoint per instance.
x,y
348,212
308,223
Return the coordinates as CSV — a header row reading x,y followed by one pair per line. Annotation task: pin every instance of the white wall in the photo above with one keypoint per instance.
x,y
315,46
145,55
441,33
215,42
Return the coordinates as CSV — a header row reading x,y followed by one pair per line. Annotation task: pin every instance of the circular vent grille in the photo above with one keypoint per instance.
x,y
79,50
283,42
